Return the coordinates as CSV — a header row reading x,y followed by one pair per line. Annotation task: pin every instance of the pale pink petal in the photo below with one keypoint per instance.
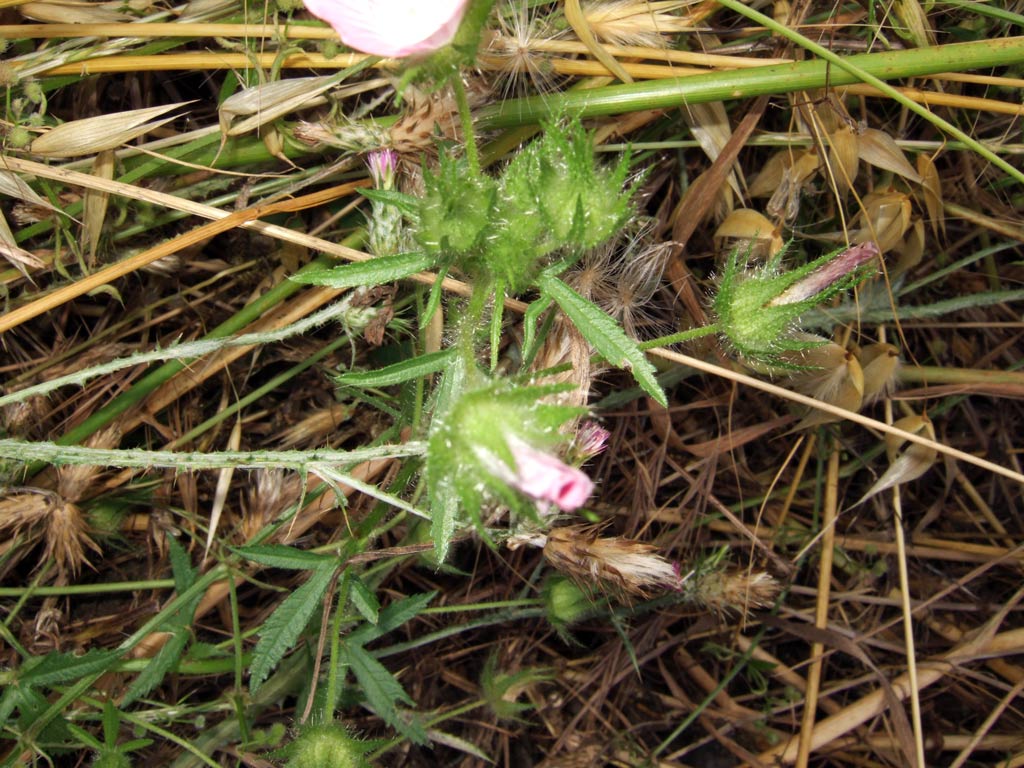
x,y
391,27
591,439
546,478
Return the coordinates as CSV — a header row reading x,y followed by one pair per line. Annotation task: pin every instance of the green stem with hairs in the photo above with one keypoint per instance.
x,y
855,71
833,70
466,119
679,338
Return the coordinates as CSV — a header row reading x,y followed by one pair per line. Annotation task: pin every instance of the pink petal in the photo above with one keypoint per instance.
x,y
391,27
546,478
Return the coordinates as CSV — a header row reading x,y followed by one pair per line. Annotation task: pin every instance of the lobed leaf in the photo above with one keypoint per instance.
x,y
608,339
286,623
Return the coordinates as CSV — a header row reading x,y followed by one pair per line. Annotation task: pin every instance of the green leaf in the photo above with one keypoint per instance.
x,y
391,618
424,365
610,341
444,516
364,600
181,566
375,271
179,626
286,623
166,659
383,692
408,205
64,667
289,558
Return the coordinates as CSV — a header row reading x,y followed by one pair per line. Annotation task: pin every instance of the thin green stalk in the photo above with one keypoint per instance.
x,y
239,663
149,383
334,657
147,585
991,10
834,70
855,71
466,118
679,338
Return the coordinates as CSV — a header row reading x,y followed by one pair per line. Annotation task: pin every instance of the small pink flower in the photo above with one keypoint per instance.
x,y
591,439
548,479
391,27
381,164
541,476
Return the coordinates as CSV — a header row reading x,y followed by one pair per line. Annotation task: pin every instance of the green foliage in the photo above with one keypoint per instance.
x,y
289,558
455,211
326,744
286,623
397,373
608,338
501,690
383,692
469,435
178,626
109,753
382,269
552,197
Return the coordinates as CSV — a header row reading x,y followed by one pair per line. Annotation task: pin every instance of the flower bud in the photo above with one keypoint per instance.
x,y
565,602
327,744
591,439
498,443
381,164
757,309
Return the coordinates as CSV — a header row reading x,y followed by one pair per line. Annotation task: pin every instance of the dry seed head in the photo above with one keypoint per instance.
x,y
429,116
355,137
270,493
621,277
60,524
511,53
735,592
73,480
628,22
630,567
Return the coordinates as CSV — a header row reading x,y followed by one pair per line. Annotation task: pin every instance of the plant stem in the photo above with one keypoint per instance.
x,y
872,68
855,71
679,338
466,118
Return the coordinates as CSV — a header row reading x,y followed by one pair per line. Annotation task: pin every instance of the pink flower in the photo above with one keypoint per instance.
x,y
381,164
547,479
827,275
539,475
391,27
591,439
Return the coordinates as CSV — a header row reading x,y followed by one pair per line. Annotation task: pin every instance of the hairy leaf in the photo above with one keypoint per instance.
x,y
280,556
285,625
610,341
375,271
407,370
